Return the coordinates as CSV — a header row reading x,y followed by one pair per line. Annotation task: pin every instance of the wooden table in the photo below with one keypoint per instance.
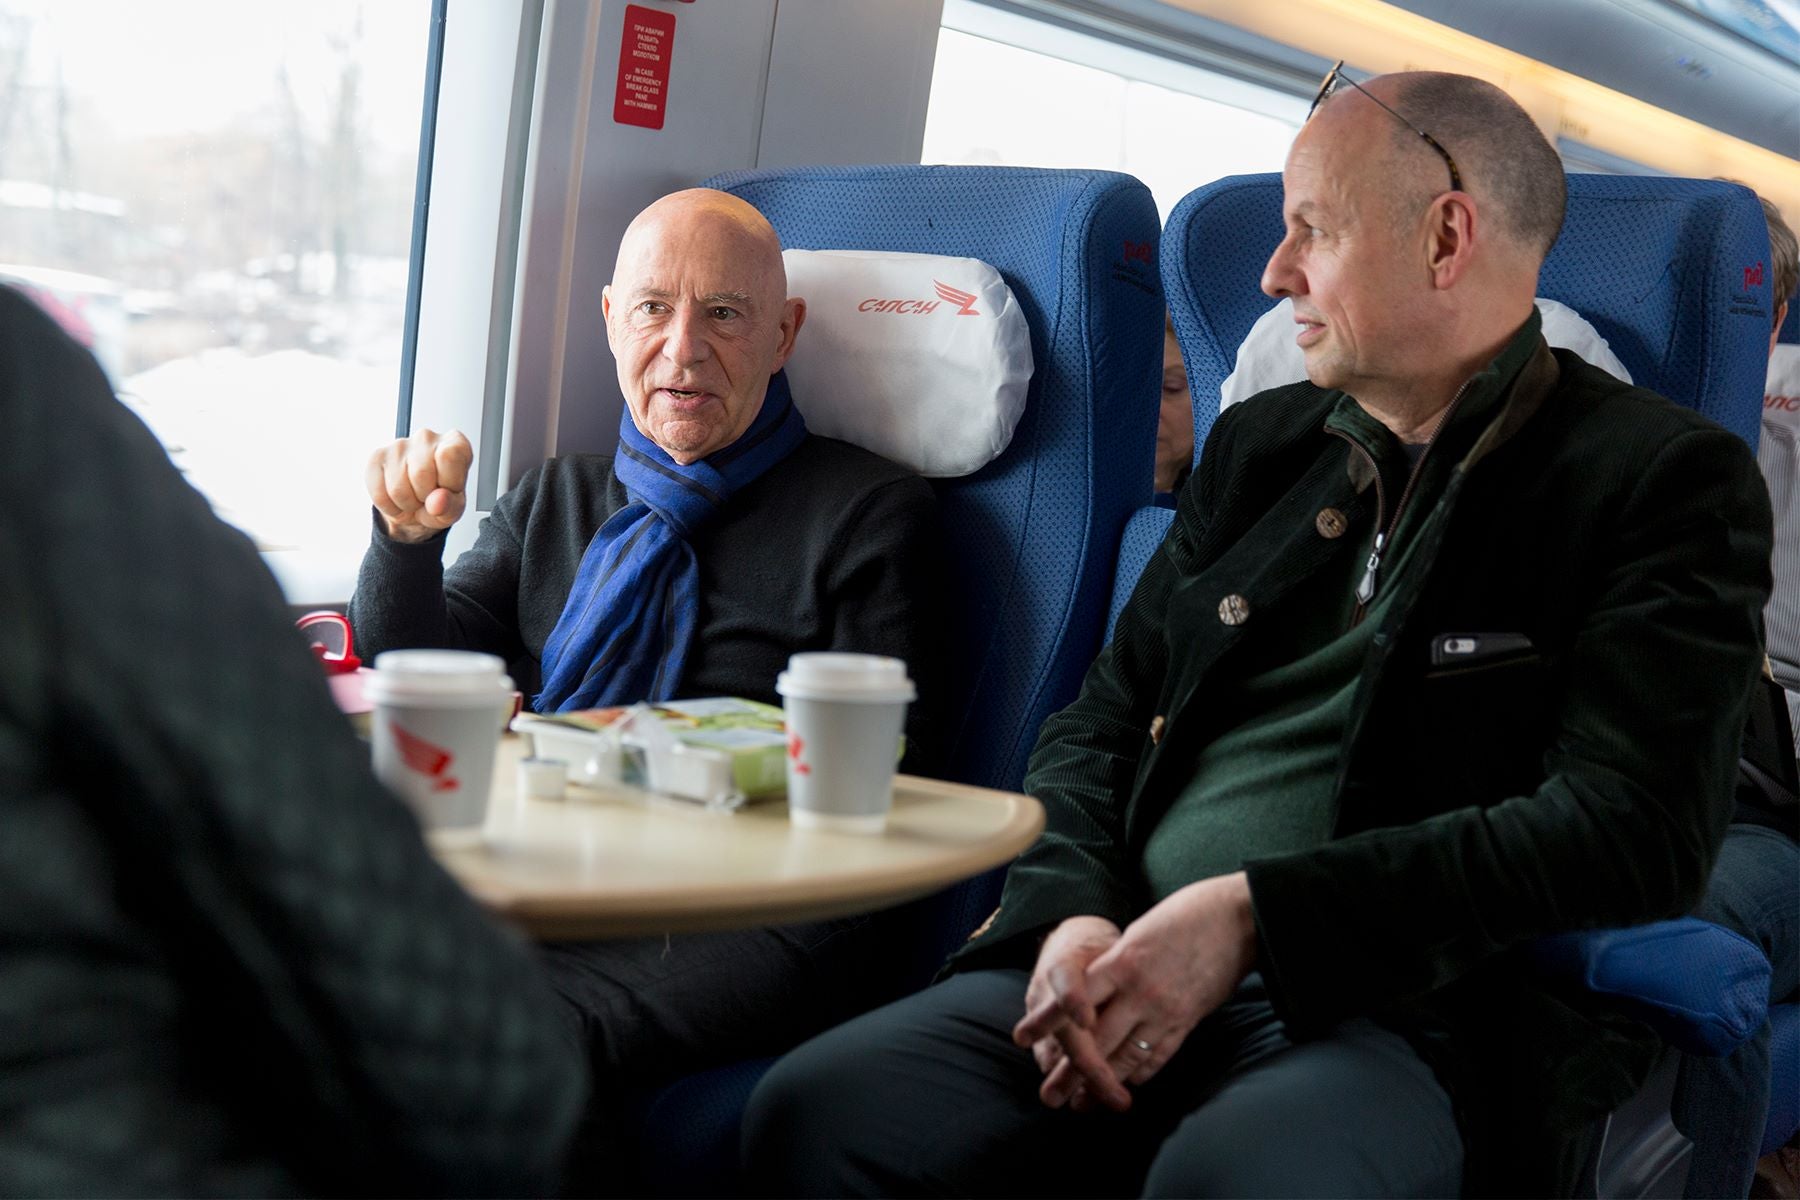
x,y
607,862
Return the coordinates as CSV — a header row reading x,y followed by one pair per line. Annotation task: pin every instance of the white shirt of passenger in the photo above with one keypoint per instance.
x,y
1778,454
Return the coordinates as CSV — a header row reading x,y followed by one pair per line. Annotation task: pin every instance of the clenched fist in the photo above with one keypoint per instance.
x,y
417,483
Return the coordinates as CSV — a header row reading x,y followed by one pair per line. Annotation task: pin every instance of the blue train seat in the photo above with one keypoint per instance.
x,y
1032,537
1656,265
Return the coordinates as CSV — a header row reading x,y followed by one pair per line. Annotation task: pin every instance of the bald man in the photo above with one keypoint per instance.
x,y
719,538
771,540
1448,649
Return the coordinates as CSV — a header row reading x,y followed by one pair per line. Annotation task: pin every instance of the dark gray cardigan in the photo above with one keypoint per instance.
x,y
833,548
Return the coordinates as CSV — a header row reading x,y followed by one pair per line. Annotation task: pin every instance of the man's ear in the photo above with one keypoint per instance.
x,y
1451,224
793,316
606,313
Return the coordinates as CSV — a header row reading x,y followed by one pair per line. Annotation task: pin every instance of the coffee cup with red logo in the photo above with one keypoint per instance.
x,y
437,720
845,713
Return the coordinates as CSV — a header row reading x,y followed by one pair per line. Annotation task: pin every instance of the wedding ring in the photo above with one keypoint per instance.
x,y
1141,1044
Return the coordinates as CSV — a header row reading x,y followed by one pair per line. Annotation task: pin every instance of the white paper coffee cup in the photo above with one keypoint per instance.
x,y
844,717
436,727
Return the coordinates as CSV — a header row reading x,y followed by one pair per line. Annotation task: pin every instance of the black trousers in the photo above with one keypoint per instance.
x,y
646,1011
929,1096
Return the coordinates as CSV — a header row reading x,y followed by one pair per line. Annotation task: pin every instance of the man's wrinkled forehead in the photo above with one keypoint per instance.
x,y
706,256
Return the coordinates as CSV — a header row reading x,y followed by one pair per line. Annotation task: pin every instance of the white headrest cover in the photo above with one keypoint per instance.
x,y
1269,357
922,358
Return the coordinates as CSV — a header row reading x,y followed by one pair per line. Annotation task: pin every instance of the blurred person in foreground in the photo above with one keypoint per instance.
x,y
228,964
1394,698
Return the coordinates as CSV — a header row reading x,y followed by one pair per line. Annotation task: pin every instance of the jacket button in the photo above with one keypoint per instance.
x,y
1156,728
1330,523
1234,609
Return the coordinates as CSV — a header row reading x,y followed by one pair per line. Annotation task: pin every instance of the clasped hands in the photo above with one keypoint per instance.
x,y
1108,1007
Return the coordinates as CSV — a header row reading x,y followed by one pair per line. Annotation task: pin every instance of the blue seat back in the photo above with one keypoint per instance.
x,y
1665,269
1143,534
1032,537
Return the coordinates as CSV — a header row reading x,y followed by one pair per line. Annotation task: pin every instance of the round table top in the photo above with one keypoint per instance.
x,y
609,862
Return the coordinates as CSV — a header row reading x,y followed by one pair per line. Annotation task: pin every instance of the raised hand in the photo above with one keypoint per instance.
x,y
417,483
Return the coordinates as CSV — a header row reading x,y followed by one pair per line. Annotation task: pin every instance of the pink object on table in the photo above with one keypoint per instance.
x,y
350,691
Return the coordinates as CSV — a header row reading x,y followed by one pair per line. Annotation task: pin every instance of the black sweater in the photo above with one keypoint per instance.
x,y
833,548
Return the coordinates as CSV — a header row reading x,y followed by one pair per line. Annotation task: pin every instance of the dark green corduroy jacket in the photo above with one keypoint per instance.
x,y
1581,781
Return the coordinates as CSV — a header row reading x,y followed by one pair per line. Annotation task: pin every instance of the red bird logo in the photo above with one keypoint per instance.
x,y
428,760
964,301
797,748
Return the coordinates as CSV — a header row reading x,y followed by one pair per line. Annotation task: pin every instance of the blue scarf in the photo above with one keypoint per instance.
x,y
628,624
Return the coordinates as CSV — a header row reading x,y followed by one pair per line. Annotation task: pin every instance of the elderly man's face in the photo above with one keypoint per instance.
x,y
698,319
1345,261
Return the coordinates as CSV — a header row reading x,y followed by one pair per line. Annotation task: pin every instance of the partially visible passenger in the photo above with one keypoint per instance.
x,y
1447,649
1722,1104
719,539
1778,454
1175,421
228,964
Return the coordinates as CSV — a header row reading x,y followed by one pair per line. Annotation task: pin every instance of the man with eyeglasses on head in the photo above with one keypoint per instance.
x,y
1448,648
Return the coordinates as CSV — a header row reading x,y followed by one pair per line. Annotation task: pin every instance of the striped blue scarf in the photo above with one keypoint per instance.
x,y
629,622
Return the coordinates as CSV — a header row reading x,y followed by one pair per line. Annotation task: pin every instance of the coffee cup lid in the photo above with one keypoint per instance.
x,y
442,674
833,675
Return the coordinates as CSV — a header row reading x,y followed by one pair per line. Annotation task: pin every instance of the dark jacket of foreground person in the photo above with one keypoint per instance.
x,y
228,965
1583,780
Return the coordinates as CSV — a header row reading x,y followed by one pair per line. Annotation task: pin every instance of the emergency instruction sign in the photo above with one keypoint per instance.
x,y
643,91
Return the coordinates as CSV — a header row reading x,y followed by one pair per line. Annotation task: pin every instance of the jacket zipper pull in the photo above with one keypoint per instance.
x,y
1365,591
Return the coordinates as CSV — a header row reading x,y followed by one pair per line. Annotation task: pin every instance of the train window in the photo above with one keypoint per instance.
x,y
1011,90
217,198
1579,156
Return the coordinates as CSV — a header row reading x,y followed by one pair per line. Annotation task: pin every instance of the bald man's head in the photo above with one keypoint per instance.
x,y
1400,281
708,213
698,318
1505,161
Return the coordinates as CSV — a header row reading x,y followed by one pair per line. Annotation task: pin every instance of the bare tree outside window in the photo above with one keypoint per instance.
x,y
216,197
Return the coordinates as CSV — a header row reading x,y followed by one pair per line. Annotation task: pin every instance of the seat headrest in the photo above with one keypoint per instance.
x,y
922,358
1269,357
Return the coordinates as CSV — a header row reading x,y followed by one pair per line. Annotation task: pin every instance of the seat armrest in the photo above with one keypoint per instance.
x,y
1703,988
